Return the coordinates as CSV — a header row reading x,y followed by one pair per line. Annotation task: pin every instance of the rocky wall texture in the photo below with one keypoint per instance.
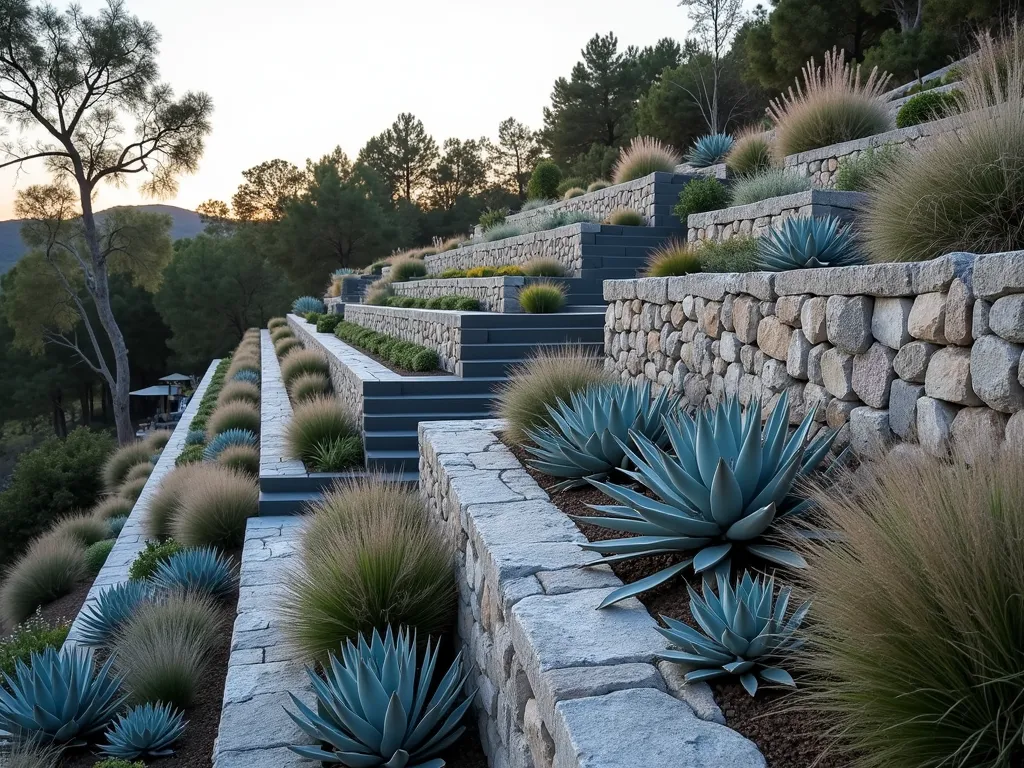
x,y
564,244
495,294
925,353
755,218
435,329
559,684
275,415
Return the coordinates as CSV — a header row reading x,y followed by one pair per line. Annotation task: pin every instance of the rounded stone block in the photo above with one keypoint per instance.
x,y
870,435
873,375
773,337
978,432
889,321
934,422
1006,318
837,374
812,319
911,362
995,365
949,377
927,320
848,322
903,397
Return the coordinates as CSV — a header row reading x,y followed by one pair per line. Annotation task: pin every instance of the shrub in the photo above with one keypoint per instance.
x,y
328,323
313,317
927,106
132,489
535,203
481,272
543,379
145,731
302,361
244,458
337,454
96,555
283,346
248,375
709,150
543,184
642,157
284,332
197,436
157,439
116,525
599,184
403,354
277,322
308,385
34,635
831,106
861,173
236,392
509,270
572,192
145,563
112,506
624,217
233,416
570,182
700,195
803,242
452,272
319,420
84,529
737,254
201,571
163,650
503,231
306,304
227,439
243,364
163,504
370,558
542,298
492,217
375,268
751,153
121,462
541,267
101,619
672,260
50,568
406,269
917,606
189,455
214,509
775,182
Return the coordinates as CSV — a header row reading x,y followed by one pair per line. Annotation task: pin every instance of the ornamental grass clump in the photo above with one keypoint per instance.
x,y
139,471
122,460
572,192
214,509
96,555
542,298
283,346
132,489
309,385
300,361
244,458
673,259
594,186
233,416
543,267
543,379
163,650
965,191
281,332
112,506
625,217
50,568
859,174
157,439
918,612
831,106
774,182
318,422
407,269
644,155
84,529
750,153
239,392
371,558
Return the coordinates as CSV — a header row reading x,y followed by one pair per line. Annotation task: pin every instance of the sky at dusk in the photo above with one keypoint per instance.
x,y
295,79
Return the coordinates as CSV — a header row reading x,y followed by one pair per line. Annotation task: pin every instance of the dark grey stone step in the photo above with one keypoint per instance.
x,y
396,422
392,440
541,336
393,461
444,404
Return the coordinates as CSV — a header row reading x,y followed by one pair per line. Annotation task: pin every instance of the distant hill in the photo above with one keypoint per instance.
x,y
186,224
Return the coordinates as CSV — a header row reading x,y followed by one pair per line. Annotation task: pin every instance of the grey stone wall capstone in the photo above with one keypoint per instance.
x,y
927,353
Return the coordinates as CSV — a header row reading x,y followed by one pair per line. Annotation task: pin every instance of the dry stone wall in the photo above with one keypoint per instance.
x,y
564,244
435,329
495,294
925,353
755,218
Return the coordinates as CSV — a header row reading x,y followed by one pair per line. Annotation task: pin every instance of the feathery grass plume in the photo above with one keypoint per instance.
x,y
157,439
163,505
572,192
317,420
85,529
139,470
112,506
859,174
233,416
214,509
599,184
542,298
371,557
918,615
625,217
543,267
644,155
163,650
50,568
244,458
277,322
281,332
965,191
283,346
774,182
132,489
832,105
541,380
239,391
379,292
338,454
673,259
300,361
751,153
309,385
539,202
32,753
406,269
122,460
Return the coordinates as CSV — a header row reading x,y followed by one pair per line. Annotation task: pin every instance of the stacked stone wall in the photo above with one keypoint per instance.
x,y
757,217
925,353
495,294
564,244
435,329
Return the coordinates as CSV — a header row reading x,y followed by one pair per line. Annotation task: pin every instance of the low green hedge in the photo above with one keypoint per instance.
x,y
327,323
404,354
461,303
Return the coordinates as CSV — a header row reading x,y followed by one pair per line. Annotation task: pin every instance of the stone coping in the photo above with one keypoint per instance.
x,y
999,276
774,206
451,318
263,670
496,281
132,538
569,685
530,238
361,364
275,414
718,170
901,90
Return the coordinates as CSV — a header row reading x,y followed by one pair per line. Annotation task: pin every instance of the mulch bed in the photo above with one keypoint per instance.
x,y
787,735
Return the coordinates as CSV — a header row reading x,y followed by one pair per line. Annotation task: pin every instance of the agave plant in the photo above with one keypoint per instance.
x,y
306,304
112,608
59,697
195,437
744,630
804,242
248,375
147,730
373,711
709,150
727,486
227,439
199,570
589,433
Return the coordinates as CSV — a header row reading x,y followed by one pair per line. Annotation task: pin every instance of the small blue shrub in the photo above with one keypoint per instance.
x,y
227,439
247,375
195,437
306,304
147,730
709,150
202,571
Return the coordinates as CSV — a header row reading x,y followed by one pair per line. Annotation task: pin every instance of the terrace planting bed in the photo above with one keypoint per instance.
x,y
436,329
495,294
564,244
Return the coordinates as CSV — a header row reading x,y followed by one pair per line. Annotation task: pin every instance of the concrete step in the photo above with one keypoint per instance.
x,y
427,403
655,231
295,502
394,461
548,335
437,385
471,368
490,320
626,241
390,440
504,351
604,263
405,422
622,251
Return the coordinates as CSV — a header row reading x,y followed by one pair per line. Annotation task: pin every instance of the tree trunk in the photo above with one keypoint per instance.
x,y
60,424
83,401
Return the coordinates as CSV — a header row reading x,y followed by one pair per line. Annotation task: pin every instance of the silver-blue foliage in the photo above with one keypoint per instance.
x,y
116,525
59,697
306,304
197,570
147,730
227,439
709,150
805,242
247,374
745,632
114,606
373,709
727,486
195,437
588,433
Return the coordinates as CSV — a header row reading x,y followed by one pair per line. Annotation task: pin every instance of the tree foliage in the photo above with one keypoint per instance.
x,y
514,155
402,156
267,186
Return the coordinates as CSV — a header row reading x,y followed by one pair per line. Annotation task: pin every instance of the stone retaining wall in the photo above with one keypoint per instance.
x,y
435,329
495,294
755,218
563,244
919,353
132,538
558,682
